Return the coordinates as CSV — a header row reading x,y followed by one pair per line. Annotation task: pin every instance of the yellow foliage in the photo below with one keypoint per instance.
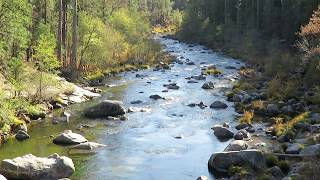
x,y
282,127
247,117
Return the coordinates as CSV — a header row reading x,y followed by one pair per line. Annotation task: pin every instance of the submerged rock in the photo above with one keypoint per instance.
x,y
192,82
69,138
136,102
221,162
106,108
32,167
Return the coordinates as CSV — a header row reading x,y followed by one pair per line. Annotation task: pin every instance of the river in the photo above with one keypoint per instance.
x,y
145,146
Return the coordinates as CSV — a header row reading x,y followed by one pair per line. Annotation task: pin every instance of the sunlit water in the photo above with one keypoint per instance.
x,y
145,147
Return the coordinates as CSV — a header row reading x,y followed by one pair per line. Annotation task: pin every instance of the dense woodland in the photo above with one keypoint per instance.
x,y
273,33
77,39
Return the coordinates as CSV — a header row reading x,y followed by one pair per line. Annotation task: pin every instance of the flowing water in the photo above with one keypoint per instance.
x,y
145,146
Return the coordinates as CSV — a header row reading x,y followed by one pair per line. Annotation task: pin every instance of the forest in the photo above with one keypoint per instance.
x,y
86,66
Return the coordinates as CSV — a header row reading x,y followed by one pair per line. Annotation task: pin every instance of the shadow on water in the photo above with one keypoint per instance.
x,y
146,146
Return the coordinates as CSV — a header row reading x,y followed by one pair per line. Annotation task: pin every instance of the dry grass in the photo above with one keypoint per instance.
x,y
282,127
258,104
247,117
213,72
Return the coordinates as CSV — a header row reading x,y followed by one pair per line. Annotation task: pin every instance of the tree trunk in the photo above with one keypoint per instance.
x,y
45,11
64,32
60,31
226,12
239,6
74,40
258,14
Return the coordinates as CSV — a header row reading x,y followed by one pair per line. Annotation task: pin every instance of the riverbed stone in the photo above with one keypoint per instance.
x,y
136,102
105,108
222,161
173,86
89,146
276,172
32,167
202,178
200,77
208,85
2,177
192,82
294,148
272,109
236,98
218,105
238,136
156,97
22,135
237,145
311,150
69,138
222,133
242,126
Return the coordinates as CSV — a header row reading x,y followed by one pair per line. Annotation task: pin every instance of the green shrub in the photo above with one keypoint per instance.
x,y
272,160
237,170
284,166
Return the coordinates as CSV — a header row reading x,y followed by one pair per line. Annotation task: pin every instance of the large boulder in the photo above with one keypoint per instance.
x,y
294,148
221,162
237,145
311,150
69,138
222,133
32,167
106,108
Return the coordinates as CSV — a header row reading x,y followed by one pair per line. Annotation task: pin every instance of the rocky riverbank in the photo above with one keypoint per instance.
x,y
275,139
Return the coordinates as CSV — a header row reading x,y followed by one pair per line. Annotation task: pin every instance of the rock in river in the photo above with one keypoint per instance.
x,y
32,167
218,105
155,97
221,162
208,85
69,138
222,133
106,108
22,135
88,146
